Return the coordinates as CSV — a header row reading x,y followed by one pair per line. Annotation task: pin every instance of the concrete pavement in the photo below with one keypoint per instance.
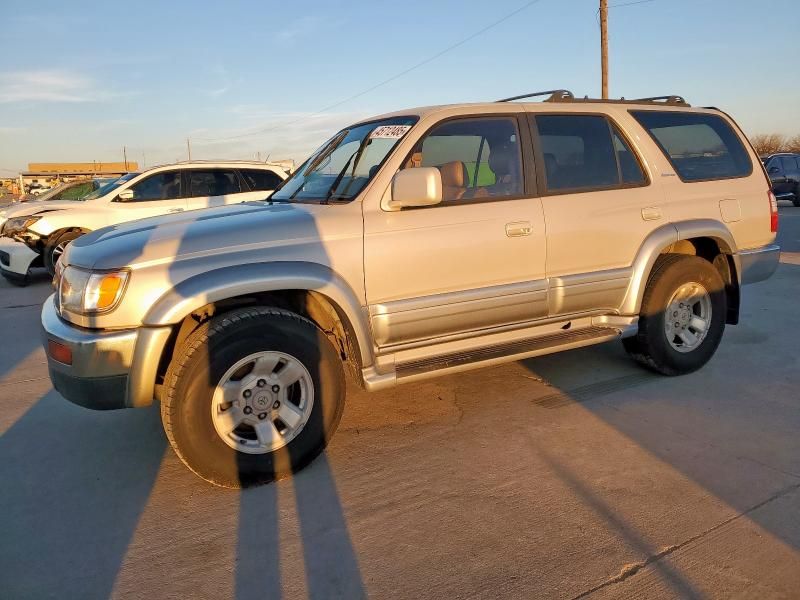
x,y
572,475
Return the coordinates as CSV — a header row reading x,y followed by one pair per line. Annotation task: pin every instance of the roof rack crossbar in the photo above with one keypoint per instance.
x,y
672,99
554,96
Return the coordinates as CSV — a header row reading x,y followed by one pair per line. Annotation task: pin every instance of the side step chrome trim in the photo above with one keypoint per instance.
x,y
545,344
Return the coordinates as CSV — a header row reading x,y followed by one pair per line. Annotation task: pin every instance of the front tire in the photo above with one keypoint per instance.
x,y
253,395
55,248
682,317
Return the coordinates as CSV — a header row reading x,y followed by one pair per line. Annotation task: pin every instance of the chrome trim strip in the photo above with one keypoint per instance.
x,y
426,317
600,290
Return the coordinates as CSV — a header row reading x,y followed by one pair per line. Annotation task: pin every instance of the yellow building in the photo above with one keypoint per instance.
x,y
50,172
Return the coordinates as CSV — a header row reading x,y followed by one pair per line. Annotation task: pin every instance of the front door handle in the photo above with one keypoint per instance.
x,y
518,228
175,210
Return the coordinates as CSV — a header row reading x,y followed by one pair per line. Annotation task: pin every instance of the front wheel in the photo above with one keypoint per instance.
x,y
252,396
54,249
682,317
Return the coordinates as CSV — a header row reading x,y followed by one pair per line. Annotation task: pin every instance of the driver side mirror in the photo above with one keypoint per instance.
x,y
420,186
125,195
774,170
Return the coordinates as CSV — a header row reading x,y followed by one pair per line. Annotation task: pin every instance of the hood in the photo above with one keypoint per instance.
x,y
194,234
37,206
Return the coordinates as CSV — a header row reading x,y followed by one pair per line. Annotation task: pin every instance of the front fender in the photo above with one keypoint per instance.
x,y
241,280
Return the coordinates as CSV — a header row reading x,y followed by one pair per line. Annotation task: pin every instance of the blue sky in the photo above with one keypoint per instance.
x,y
79,80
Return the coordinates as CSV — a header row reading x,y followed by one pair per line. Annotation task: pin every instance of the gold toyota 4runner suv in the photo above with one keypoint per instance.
x,y
418,243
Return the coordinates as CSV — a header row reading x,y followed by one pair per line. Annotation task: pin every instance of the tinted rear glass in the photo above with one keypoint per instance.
x,y
701,147
261,179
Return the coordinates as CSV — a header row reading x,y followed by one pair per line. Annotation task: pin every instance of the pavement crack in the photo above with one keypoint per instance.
x,y
630,570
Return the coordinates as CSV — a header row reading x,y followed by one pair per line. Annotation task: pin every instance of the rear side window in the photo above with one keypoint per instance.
x,y
261,179
701,147
789,164
217,182
585,152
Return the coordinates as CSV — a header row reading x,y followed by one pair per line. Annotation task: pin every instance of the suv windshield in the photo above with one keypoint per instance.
x,y
102,191
345,164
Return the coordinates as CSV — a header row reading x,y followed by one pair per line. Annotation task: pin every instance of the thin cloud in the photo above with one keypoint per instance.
x,y
49,86
304,27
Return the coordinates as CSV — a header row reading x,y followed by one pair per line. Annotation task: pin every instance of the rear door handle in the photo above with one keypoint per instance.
x,y
518,228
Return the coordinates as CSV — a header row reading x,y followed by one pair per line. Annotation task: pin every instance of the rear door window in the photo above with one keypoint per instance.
x,y
789,164
214,182
585,152
261,179
701,147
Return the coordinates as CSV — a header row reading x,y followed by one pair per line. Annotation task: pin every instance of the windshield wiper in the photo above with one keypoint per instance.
x,y
339,177
364,143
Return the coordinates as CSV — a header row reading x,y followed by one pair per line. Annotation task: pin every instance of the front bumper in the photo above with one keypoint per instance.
x,y
15,257
758,264
109,369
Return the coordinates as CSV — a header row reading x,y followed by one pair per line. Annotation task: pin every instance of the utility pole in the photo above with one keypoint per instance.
x,y
189,148
125,157
604,45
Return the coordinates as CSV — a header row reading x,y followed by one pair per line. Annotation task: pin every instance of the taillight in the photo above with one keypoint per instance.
x,y
773,212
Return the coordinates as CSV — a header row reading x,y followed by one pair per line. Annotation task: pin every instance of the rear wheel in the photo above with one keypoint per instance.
x,y
682,318
54,249
253,395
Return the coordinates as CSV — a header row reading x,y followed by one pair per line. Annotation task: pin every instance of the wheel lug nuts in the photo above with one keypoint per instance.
x,y
247,410
262,416
261,383
276,388
276,404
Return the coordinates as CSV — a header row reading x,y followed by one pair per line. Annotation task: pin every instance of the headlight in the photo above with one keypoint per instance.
x,y
18,224
84,292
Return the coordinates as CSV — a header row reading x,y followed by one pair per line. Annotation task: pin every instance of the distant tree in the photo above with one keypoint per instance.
x,y
793,145
770,143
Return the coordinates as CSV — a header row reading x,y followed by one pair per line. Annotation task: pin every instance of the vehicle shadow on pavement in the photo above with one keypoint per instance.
x,y
714,427
74,484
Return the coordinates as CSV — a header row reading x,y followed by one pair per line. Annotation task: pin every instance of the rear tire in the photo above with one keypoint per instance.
x,y
682,318
55,248
214,372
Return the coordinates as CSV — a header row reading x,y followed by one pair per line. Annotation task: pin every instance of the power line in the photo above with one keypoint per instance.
x,y
630,3
382,83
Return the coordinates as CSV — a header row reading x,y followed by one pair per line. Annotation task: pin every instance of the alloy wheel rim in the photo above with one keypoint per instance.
x,y
58,251
687,318
262,402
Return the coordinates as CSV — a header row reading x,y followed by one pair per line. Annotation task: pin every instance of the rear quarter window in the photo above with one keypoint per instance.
x,y
700,147
261,179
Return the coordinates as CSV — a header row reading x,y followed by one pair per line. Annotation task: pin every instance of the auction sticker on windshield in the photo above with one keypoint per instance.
x,y
391,132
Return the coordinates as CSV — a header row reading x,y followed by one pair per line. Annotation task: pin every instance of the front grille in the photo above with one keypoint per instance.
x,y
5,260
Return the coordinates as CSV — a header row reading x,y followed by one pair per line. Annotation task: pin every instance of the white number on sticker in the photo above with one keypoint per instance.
x,y
392,132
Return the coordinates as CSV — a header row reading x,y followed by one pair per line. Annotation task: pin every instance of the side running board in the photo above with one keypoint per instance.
x,y
546,344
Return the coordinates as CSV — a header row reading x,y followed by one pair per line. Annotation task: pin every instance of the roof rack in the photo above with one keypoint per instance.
x,y
555,96
673,99
567,96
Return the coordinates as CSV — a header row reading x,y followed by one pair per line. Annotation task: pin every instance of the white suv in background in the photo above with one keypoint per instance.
x,y
37,233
